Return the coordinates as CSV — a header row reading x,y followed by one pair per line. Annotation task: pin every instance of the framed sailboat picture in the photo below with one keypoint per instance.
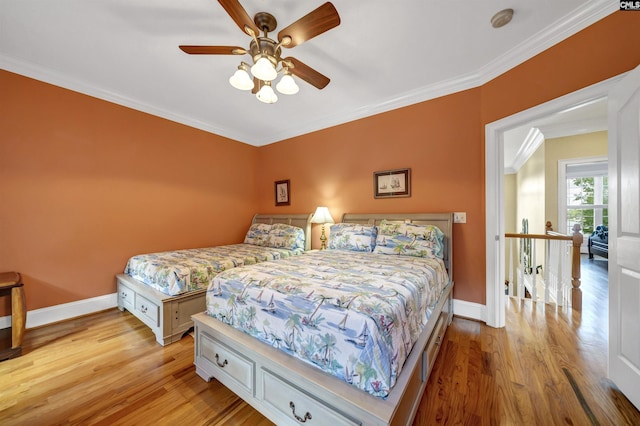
x,y
282,193
392,183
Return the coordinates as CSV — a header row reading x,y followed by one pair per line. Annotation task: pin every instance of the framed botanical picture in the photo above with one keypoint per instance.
x,y
283,195
392,183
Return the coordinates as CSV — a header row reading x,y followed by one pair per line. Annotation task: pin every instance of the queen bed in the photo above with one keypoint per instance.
x,y
165,289
346,335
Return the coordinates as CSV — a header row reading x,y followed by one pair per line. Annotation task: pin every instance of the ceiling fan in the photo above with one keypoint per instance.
x,y
266,53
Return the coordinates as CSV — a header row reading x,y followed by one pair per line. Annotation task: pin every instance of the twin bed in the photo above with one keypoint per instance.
x,y
165,289
346,335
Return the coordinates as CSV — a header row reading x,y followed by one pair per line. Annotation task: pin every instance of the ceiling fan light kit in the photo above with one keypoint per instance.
x,y
266,52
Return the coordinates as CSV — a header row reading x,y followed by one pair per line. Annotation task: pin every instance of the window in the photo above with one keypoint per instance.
x,y
587,196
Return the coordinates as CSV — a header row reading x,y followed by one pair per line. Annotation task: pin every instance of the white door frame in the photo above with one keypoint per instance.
x,y
494,187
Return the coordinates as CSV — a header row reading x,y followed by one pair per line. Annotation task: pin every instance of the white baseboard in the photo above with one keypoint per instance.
x,y
470,310
51,314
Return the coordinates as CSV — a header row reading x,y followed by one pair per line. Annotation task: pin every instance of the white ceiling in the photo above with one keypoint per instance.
x,y
384,55
521,142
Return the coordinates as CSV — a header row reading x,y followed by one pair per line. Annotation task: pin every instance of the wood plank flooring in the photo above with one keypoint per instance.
x,y
546,367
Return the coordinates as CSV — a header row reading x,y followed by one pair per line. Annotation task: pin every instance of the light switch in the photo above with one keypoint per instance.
x,y
460,217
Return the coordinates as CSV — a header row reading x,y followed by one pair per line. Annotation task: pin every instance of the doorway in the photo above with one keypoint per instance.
x,y
494,314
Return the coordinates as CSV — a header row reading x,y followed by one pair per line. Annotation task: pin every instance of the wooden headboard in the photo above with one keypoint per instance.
x,y
300,220
444,221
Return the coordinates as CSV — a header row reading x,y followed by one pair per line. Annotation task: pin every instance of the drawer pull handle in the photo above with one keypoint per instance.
x,y
143,309
218,362
307,415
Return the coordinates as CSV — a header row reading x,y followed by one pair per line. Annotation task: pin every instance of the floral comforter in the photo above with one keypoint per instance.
x,y
177,272
354,315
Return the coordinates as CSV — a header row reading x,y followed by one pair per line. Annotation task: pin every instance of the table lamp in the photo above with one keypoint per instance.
x,y
322,216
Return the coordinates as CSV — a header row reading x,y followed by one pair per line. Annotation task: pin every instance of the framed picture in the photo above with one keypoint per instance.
x,y
283,196
392,183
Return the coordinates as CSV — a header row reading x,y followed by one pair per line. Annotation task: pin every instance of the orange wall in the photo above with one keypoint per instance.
x,y
85,184
438,140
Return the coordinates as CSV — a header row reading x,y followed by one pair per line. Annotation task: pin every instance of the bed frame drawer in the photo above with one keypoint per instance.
x,y
126,297
149,310
296,406
433,345
227,362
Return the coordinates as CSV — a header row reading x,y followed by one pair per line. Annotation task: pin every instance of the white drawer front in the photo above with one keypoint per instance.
x,y
433,345
126,297
227,361
297,405
150,310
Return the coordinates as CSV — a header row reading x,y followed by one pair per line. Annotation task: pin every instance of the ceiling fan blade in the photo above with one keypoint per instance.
x,y
307,73
314,23
239,15
213,50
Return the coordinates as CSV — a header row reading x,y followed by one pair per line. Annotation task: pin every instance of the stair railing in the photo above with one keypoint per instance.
x,y
557,279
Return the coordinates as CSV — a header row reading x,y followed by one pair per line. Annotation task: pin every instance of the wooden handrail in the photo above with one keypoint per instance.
x,y
553,236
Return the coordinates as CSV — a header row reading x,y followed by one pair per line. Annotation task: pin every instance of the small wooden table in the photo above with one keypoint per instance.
x,y
11,284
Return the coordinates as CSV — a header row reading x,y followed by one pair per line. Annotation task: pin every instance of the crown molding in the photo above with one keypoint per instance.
x,y
548,37
559,130
554,33
405,99
56,78
531,143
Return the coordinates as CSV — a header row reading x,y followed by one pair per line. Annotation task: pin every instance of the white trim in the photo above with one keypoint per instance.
x,y
494,239
59,79
531,143
549,36
474,311
554,33
412,97
494,186
572,128
65,311
51,314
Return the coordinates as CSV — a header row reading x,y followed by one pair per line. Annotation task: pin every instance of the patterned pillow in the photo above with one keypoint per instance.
x,y
286,236
258,234
409,240
352,236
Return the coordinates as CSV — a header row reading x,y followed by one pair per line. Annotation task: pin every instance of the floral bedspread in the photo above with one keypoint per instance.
x,y
180,271
354,315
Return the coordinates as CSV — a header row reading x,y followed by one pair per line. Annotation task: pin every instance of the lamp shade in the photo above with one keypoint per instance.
x,y
266,94
264,69
241,80
322,215
287,86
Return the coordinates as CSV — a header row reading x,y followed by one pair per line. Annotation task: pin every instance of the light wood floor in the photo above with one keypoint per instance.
x,y
547,366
